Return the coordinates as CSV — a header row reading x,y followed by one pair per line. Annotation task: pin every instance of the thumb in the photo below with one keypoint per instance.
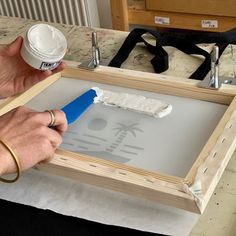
x,y
14,47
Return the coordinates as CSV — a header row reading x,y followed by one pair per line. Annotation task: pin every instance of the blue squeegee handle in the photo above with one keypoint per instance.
x,y
78,106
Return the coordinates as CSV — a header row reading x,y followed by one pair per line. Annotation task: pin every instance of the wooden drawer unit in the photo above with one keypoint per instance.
x,y
207,15
206,7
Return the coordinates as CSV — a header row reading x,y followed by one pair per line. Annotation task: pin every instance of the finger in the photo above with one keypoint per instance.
x,y
61,67
14,47
60,123
55,138
47,73
38,76
57,119
35,77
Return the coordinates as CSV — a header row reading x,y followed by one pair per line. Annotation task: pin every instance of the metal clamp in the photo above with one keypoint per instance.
x,y
95,60
213,80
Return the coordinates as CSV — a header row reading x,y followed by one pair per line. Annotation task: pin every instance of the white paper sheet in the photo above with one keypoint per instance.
x,y
73,198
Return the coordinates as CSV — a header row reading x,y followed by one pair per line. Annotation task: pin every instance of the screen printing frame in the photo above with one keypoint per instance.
x,y
191,193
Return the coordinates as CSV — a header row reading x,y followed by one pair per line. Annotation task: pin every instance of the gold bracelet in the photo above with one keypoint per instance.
x,y
17,162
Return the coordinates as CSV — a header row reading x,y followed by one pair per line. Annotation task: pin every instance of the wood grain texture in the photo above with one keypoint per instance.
x,y
136,4
180,20
119,15
207,7
124,179
153,83
21,99
180,14
212,161
217,161
170,190
226,153
212,142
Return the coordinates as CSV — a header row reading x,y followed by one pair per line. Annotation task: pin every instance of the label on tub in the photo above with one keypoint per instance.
x,y
162,20
213,24
49,65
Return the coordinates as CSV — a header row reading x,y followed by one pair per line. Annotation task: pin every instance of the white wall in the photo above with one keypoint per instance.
x,y
91,8
104,12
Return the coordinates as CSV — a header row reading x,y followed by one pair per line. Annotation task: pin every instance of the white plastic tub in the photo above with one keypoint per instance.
x,y
44,47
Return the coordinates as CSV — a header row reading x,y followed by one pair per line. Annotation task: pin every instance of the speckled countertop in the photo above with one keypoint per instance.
x,y
219,217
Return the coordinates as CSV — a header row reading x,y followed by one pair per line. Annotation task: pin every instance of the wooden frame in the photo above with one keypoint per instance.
x,y
128,12
190,193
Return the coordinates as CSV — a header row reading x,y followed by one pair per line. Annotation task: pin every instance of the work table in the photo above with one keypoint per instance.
x,y
219,217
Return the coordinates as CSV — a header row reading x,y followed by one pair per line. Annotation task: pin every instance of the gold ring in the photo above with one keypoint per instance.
x,y
53,119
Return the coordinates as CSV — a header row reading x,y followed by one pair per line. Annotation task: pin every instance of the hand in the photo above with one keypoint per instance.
x,y
29,136
16,75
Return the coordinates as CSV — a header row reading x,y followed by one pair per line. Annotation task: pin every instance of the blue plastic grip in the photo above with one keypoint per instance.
x,y
78,106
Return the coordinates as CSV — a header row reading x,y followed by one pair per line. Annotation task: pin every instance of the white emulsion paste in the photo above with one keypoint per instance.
x,y
137,103
46,40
